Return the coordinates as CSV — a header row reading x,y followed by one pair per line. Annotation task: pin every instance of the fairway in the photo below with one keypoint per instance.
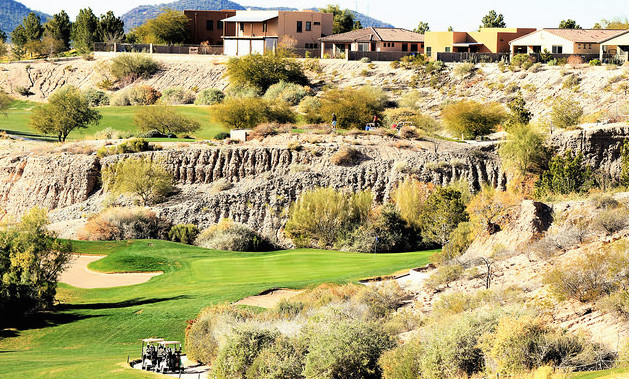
x,y
97,329
120,118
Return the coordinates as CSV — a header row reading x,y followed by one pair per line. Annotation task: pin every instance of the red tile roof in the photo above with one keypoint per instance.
x,y
375,35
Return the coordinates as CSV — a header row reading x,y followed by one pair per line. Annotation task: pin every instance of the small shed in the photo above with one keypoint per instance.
x,y
239,134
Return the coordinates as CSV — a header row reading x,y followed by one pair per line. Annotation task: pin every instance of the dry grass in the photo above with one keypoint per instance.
x,y
345,156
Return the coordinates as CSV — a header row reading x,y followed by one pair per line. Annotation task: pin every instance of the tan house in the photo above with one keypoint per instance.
x,y
260,31
564,41
616,48
486,40
374,40
207,26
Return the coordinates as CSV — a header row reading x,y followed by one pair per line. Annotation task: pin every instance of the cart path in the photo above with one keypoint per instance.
x,y
78,275
268,299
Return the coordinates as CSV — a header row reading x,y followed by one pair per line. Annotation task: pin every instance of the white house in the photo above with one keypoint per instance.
x,y
564,41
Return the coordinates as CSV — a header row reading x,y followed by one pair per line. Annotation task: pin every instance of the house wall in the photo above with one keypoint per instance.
x,y
496,40
438,41
198,26
617,45
545,40
287,25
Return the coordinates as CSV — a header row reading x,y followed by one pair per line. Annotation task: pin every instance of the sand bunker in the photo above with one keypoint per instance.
x,y
268,299
78,275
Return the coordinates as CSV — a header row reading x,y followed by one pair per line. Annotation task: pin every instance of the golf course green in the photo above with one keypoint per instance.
x,y
95,330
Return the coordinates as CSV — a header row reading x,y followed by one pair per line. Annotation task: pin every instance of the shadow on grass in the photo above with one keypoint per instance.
x,y
121,304
13,327
29,136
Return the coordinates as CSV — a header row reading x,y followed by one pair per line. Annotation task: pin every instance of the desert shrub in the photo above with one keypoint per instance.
x,y
284,358
469,119
565,174
521,60
535,67
280,112
221,135
184,233
220,185
490,207
353,107
365,60
595,62
575,60
129,67
209,96
111,133
143,95
571,81
323,216
242,91
519,115
403,361
444,275
95,98
524,151
135,145
445,210
289,93
165,119
147,181
410,198
463,70
422,121
566,113
612,220
177,95
263,71
241,113
264,130
346,349
561,237
241,349
120,99
346,156
231,236
382,299
309,106
460,239
120,223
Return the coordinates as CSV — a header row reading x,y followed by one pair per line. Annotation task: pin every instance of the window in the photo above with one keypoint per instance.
x,y
317,23
557,49
429,51
579,46
448,49
299,26
242,27
308,26
404,47
413,47
363,46
311,46
219,25
209,24
264,27
392,44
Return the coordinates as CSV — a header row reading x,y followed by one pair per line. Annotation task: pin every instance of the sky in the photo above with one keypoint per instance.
x,y
462,15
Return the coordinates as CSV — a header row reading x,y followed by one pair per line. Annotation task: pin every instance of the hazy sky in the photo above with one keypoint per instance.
x,y
462,15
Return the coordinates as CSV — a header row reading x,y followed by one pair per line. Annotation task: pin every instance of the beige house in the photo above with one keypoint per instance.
x,y
260,31
564,41
616,48
485,40
375,40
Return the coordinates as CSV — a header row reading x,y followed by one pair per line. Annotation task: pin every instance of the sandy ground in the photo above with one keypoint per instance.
x,y
268,300
78,275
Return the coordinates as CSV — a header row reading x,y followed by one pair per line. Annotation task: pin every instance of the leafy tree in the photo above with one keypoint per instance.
x,y
615,23
444,211
262,71
422,28
357,25
519,115
493,20
165,119
470,119
343,19
19,40
169,27
568,24
60,28
110,28
65,111
31,260
33,27
240,113
85,31
3,36
142,178
490,207
410,198
565,174
524,151
566,113
5,102
353,107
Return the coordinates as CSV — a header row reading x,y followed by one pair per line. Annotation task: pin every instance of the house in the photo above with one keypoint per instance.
x,y
373,40
259,31
564,41
616,48
207,26
485,40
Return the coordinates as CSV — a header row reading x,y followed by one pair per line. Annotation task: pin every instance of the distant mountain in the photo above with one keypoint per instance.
x,y
12,13
139,15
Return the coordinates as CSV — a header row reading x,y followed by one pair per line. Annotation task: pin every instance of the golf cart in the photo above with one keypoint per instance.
x,y
149,353
402,124
169,357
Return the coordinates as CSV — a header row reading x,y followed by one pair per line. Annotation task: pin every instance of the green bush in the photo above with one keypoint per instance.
x,y
445,209
565,174
519,115
289,93
310,107
444,275
184,233
262,71
95,98
243,91
463,70
420,120
460,239
165,119
209,96
595,62
231,236
240,113
324,216
135,145
469,119
524,151
129,67
239,352
353,107
522,61
221,136
284,359
146,180
280,112
139,95
177,95
566,113
402,362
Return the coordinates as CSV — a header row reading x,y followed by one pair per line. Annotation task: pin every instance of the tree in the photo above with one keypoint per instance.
x,y
357,25
165,119
615,23
494,20
353,107
60,28
65,111
444,211
565,174
410,198
566,113
422,28
141,177
343,19
169,27
110,28
624,163
262,71
5,102
568,24
19,40
470,119
3,36
524,151
519,115
240,113
33,27
85,31
490,207
31,260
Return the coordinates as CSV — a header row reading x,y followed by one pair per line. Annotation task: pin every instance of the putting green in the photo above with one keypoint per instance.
x,y
95,330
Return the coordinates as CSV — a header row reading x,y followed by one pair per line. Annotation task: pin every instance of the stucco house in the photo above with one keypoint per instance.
x,y
564,41
207,26
485,40
373,39
260,31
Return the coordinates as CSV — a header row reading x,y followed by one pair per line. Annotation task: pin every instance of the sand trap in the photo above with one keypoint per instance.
x,y
78,275
268,299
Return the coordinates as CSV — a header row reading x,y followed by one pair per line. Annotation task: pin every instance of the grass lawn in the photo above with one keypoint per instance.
x,y
604,374
95,330
119,118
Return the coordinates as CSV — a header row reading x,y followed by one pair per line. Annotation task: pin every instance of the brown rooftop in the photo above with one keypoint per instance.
x,y
587,35
375,35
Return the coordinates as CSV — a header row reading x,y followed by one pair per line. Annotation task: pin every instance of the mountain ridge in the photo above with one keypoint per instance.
x,y
12,13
